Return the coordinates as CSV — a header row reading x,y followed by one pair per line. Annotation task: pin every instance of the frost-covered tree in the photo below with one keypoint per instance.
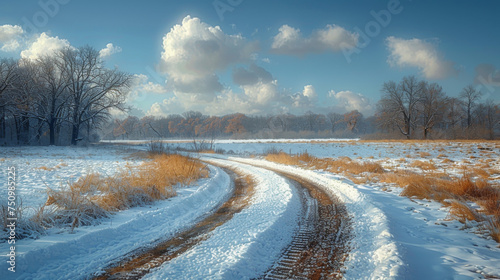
x,y
8,69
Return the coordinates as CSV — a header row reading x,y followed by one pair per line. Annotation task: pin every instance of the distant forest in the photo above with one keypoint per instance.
x,y
410,109
67,99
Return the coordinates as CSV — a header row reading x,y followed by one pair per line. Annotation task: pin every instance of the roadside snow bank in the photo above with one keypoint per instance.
x,y
248,244
90,249
374,253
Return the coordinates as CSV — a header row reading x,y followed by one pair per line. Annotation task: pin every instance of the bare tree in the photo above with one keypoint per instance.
x,y
23,94
52,97
488,117
352,119
469,97
398,107
94,90
7,75
335,120
432,106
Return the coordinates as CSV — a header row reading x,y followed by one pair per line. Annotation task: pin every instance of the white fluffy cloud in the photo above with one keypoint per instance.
x,y
109,50
348,101
10,35
142,88
253,75
420,54
304,99
309,92
332,38
142,83
44,45
194,51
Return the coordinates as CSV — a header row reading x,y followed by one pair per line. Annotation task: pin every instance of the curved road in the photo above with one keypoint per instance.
x,y
318,247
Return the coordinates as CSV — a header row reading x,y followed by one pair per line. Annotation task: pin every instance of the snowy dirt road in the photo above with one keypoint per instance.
x,y
317,242
312,224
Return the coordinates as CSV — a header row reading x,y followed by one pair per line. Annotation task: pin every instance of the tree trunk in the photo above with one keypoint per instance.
x,y
52,132
2,125
75,133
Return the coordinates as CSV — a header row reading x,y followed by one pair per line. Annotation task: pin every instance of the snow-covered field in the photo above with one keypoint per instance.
x,y
394,237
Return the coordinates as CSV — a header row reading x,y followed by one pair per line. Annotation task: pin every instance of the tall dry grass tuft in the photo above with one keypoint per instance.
x,y
92,197
424,165
343,165
462,212
493,225
439,186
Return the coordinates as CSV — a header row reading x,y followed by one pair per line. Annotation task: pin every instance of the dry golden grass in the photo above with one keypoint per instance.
x,y
493,225
482,172
46,168
93,196
436,185
424,165
424,154
447,160
441,156
342,165
462,212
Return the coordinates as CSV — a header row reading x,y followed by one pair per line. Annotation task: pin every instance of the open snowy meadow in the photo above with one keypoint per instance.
x,y
401,224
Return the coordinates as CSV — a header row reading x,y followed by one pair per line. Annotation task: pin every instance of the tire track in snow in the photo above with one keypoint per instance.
x,y
320,246
141,263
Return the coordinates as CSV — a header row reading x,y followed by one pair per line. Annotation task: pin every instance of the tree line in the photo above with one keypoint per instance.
x,y
58,99
196,125
418,109
67,97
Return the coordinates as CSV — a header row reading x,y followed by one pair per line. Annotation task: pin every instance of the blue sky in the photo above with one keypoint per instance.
x,y
269,56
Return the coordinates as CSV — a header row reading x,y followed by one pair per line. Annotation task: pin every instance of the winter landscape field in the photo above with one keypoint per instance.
x,y
235,139
391,235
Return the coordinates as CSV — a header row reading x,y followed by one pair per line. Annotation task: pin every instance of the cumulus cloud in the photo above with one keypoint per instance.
x,y
348,101
109,50
261,93
332,38
304,99
194,51
253,75
421,54
44,45
142,88
167,107
258,98
142,83
10,36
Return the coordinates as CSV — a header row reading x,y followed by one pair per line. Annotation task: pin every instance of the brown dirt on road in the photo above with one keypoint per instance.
x,y
320,247
140,263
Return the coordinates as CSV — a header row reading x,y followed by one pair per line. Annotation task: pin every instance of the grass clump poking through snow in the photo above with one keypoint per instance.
x,y
455,193
342,165
93,197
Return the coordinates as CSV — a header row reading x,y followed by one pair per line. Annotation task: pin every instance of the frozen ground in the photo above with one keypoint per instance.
x,y
395,237
89,249
39,168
